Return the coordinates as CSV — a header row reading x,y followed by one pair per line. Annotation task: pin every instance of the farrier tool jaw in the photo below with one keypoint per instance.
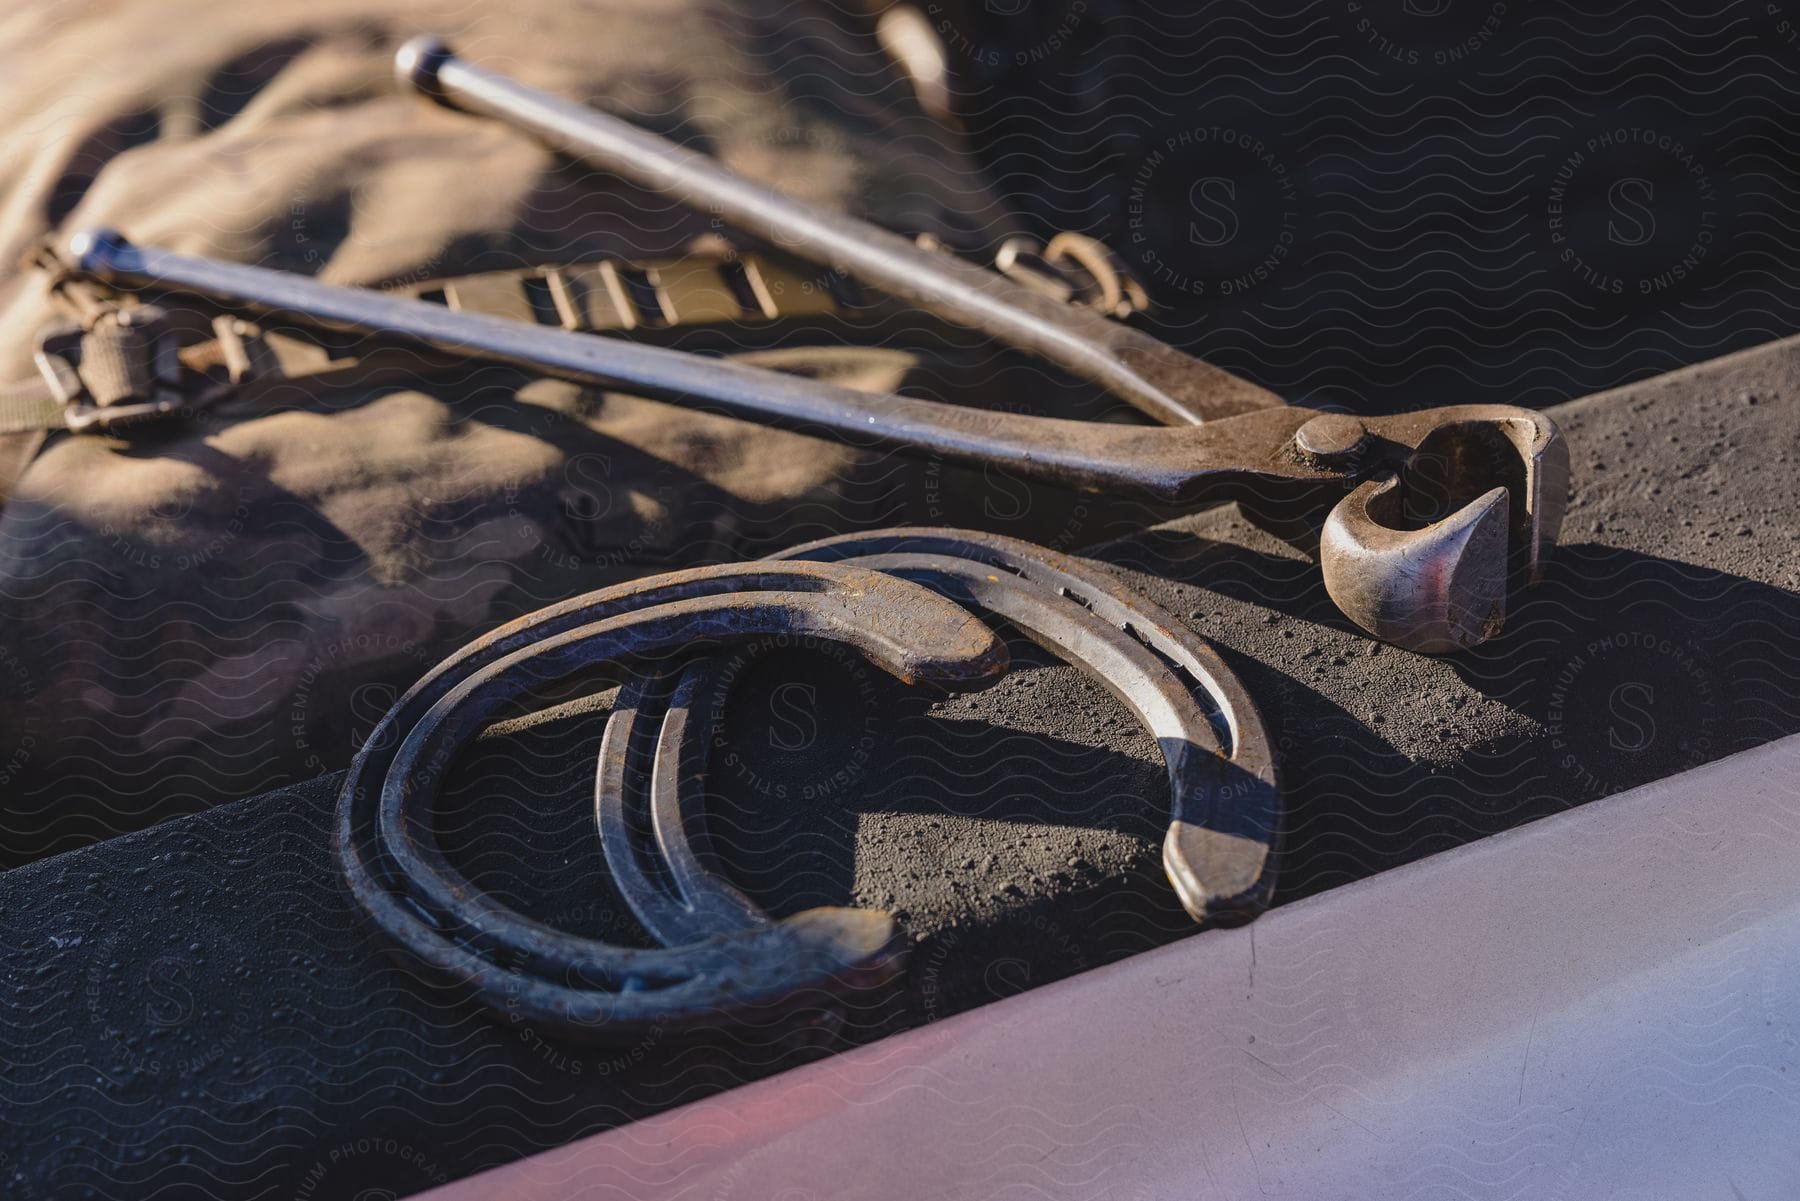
x,y
1422,562
1464,506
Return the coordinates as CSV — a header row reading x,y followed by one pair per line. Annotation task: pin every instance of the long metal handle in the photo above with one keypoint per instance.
x,y
1172,464
1440,587
1165,384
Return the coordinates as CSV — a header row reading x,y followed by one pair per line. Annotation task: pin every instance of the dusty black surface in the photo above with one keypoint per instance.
x,y
197,1007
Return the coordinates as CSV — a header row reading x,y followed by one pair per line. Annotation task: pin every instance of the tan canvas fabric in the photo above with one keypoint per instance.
x,y
199,613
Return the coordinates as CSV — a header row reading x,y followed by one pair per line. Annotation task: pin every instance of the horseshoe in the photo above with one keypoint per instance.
x,y
1225,800
585,987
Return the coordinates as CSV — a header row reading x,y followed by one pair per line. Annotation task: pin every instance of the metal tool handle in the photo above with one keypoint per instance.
x,y
1169,386
1434,588
1171,464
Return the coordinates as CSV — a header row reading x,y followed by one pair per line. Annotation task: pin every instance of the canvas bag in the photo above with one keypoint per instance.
x,y
205,610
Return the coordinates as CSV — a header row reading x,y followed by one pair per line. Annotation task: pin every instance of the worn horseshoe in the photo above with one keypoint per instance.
x,y
1224,826
399,875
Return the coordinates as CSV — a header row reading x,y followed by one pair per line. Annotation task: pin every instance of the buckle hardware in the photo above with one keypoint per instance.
x,y
125,367
1073,269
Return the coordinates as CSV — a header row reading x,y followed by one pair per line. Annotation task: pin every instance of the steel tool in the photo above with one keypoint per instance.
x,y
1436,512
1138,369
1434,515
1432,589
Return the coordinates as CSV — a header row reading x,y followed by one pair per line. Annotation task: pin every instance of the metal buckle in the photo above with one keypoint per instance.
x,y
1074,269
124,369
